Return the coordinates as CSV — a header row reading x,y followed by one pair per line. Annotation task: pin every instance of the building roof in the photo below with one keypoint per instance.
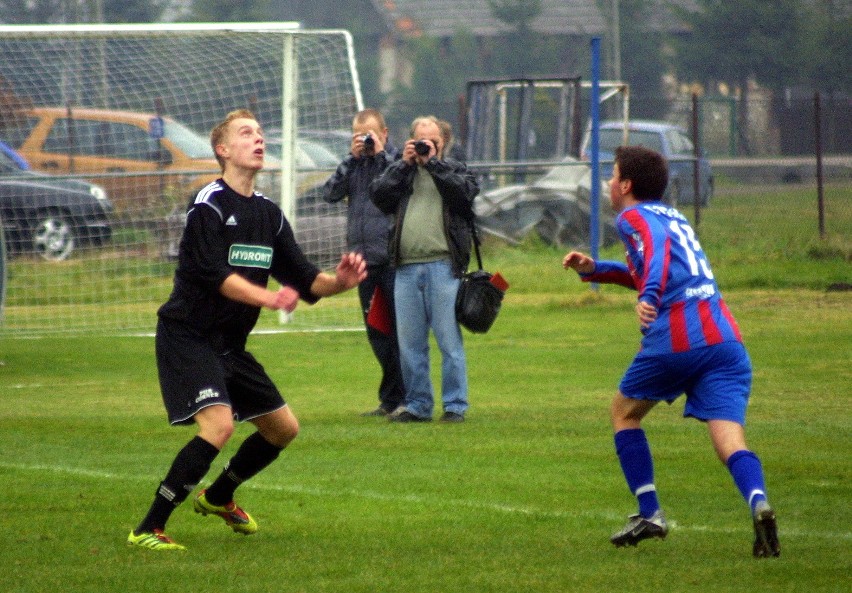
x,y
445,18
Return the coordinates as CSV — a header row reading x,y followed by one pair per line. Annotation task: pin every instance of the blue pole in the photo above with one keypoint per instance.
x,y
595,198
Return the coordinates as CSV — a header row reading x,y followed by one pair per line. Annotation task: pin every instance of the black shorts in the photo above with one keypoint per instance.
x,y
194,376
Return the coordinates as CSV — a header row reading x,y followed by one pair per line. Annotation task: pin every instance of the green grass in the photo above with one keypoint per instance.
x,y
520,498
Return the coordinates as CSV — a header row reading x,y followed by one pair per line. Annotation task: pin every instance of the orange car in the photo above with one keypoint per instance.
x,y
144,162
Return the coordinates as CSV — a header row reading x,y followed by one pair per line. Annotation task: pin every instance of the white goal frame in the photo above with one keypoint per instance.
x,y
289,109
288,169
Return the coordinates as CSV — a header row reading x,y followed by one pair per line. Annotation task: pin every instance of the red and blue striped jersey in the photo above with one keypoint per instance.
x,y
666,265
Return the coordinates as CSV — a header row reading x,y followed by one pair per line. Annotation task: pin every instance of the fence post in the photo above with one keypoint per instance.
x,y
696,153
594,198
2,273
818,148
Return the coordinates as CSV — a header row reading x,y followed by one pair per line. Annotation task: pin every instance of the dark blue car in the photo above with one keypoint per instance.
x,y
50,217
669,140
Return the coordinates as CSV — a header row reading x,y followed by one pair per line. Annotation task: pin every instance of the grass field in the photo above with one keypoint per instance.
x,y
520,498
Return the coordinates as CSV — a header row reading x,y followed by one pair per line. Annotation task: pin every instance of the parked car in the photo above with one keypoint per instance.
x,y
50,217
556,206
143,161
337,142
667,139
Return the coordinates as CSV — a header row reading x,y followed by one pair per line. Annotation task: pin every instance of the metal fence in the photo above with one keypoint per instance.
x,y
552,199
765,125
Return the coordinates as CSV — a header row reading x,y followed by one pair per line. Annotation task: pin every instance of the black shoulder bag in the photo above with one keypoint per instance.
x,y
479,298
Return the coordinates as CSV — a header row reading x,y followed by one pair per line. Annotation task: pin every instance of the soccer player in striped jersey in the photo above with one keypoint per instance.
x,y
690,344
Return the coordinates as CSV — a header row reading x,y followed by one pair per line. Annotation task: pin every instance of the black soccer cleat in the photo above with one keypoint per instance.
x,y
765,532
639,528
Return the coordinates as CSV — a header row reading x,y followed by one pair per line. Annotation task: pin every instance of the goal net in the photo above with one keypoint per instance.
x,y
104,133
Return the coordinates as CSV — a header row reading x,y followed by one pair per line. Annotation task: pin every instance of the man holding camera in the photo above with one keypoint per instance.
x,y
431,199
368,230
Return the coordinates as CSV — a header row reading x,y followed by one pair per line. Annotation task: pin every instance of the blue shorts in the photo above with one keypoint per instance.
x,y
716,380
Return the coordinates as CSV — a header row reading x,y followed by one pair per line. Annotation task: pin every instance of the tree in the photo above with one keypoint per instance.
x,y
356,16
133,11
516,13
518,51
20,12
737,42
81,11
825,51
442,69
642,60
220,11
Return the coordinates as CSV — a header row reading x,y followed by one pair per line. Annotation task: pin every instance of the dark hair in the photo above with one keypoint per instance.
x,y
646,168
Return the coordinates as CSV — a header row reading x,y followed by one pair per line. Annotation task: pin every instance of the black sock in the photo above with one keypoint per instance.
x,y
189,466
253,455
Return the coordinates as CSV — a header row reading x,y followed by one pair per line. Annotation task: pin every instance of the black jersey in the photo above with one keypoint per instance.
x,y
226,233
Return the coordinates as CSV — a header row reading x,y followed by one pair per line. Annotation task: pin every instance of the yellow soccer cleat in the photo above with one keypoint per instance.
x,y
236,518
153,540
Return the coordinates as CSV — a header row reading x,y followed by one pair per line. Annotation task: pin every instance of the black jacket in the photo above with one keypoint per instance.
x,y
457,186
367,228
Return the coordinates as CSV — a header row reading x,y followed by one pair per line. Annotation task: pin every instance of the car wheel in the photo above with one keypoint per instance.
x,y
53,236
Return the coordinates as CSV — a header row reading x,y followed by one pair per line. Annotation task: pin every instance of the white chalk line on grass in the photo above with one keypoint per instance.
x,y
414,499
51,386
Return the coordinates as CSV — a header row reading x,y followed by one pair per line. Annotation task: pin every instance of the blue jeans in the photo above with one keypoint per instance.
x,y
425,296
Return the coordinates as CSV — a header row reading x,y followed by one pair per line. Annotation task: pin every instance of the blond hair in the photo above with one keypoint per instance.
x,y
217,135
369,113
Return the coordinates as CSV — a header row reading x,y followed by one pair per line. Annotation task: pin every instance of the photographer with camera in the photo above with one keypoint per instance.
x,y
431,199
368,230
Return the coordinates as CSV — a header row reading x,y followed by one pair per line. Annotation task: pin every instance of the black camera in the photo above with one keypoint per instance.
x,y
422,148
368,140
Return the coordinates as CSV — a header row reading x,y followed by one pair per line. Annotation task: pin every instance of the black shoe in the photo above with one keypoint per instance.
x,y
765,532
452,417
406,416
639,528
380,411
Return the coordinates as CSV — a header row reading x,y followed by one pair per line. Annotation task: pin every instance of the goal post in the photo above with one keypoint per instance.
x,y
126,110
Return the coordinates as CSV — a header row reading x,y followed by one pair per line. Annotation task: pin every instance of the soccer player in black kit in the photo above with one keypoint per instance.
x,y
234,240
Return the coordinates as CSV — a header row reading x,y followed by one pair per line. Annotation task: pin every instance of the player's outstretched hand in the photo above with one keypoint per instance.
x,y
580,262
351,270
286,299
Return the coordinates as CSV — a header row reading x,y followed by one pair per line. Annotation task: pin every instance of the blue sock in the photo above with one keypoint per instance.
x,y
634,454
747,472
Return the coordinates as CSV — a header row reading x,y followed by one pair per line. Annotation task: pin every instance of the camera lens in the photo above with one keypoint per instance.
x,y
369,141
421,148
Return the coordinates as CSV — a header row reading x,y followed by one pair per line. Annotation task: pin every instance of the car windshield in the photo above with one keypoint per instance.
x,y
610,139
319,154
190,143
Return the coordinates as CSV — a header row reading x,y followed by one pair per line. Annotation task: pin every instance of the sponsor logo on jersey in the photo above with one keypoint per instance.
x,y
231,221
705,291
208,393
665,211
250,256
